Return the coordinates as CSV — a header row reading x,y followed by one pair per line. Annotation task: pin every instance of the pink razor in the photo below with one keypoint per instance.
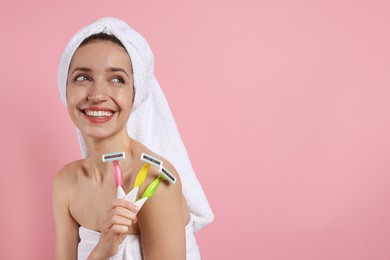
x,y
114,157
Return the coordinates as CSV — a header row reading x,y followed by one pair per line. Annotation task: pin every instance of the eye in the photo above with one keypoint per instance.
x,y
81,78
118,80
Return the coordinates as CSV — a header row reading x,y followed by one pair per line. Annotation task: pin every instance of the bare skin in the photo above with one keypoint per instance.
x,y
84,191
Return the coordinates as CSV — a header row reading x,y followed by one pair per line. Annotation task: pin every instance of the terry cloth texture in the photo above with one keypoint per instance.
x,y
130,248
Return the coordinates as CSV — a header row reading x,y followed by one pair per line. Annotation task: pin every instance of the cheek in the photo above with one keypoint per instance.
x,y
125,98
71,104
125,102
74,95
71,99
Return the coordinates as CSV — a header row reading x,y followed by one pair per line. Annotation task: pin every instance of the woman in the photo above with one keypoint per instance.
x,y
106,80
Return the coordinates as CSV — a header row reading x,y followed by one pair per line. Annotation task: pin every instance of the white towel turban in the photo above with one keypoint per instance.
x,y
151,121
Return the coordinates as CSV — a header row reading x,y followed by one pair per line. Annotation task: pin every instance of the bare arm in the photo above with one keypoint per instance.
x,y
162,224
66,227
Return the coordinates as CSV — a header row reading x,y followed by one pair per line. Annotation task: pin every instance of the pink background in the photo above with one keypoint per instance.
x,y
283,106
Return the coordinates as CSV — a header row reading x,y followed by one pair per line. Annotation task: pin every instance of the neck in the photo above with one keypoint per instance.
x,y
119,142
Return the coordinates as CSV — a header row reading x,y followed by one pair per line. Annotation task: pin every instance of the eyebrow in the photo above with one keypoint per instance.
x,y
115,69
81,69
111,69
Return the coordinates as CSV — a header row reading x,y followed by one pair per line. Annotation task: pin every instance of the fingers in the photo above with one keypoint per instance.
x,y
125,209
121,216
115,226
125,204
120,229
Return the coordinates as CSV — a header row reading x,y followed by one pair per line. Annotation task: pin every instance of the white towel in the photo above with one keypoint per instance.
x,y
151,121
130,248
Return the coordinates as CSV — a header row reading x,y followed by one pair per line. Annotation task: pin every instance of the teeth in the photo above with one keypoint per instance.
x,y
94,113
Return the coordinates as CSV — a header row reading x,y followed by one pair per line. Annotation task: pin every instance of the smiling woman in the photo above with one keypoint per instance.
x,y
100,87
102,68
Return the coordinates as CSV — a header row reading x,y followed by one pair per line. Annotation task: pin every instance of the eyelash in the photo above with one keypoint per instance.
x,y
81,76
120,79
78,79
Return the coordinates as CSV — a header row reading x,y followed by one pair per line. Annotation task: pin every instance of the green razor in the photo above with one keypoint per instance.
x,y
139,180
151,189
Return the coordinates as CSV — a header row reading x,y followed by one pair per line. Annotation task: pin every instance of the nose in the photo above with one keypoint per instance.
x,y
97,93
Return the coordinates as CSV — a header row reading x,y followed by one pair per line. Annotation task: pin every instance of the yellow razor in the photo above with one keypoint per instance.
x,y
139,180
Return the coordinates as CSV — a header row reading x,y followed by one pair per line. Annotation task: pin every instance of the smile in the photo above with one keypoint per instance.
x,y
98,114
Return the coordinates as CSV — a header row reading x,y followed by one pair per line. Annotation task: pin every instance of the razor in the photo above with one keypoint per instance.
x,y
141,176
151,189
139,180
114,158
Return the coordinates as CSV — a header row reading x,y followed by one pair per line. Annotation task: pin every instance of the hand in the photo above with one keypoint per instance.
x,y
120,217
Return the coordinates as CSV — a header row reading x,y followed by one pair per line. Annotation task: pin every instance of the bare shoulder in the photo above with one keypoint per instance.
x,y
163,217
165,188
65,180
65,224
167,194
67,174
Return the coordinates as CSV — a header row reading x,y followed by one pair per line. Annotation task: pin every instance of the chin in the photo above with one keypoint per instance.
x,y
96,133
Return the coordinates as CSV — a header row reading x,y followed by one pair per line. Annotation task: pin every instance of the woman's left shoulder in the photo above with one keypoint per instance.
x,y
167,190
154,172
163,217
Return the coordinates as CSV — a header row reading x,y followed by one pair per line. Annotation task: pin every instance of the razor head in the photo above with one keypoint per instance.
x,y
108,157
167,175
151,160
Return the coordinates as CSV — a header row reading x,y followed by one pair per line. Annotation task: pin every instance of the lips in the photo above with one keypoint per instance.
x,y
97,114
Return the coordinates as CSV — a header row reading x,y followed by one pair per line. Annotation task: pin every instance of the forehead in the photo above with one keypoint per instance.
x,y
101,53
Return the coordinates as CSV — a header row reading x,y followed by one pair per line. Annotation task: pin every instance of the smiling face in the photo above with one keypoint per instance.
x,y
100,88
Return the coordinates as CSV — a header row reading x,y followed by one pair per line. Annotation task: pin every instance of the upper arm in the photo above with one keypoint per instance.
x,y
65,226
161,223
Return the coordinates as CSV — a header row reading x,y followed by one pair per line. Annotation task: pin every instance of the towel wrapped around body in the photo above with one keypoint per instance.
x,y
130,248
